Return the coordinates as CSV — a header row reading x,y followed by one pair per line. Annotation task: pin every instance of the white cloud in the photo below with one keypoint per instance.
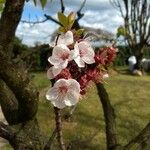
x,y
30,34
97,14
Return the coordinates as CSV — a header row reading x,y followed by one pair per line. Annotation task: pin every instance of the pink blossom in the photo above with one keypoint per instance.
x,y
60,57
64,93
83,53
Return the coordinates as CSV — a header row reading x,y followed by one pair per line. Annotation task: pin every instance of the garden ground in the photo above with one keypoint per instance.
x,y
129,95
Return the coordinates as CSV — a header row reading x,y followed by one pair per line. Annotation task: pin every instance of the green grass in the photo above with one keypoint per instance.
x,y
130,97
128,94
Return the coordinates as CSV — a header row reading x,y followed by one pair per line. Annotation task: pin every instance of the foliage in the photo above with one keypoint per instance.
x,y
121,31
2,2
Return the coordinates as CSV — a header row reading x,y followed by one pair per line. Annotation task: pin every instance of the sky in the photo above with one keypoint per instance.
x,y
97,14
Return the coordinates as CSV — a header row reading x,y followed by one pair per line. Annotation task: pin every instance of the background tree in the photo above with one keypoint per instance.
x,y
136,27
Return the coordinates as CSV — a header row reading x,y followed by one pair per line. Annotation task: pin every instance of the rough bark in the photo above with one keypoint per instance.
x,y
8,103
9,21
140,141
18,98
18,82
22,139
109,114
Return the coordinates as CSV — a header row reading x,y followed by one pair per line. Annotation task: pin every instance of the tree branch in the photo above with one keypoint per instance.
x,y
6,132
35,22
8,103
80,15
17,80
62,6
111,134
52,19
141,140
59,128
9,23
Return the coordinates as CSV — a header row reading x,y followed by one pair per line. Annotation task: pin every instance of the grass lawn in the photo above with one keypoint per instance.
x,y
130,97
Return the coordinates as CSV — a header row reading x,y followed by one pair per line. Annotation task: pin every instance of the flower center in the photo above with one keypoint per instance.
x,y
64,56
63,89
82,52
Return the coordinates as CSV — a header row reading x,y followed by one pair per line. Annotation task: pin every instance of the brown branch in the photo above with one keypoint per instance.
x,y
8,103
109,114
6,132
9,23
141,140
59,128
62,6
17,80
52,19
34,22
80,15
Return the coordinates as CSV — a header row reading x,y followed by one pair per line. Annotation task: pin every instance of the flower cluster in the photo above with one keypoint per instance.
x,y
74,64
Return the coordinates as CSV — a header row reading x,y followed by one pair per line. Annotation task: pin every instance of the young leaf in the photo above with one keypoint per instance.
x,y
72,16
43,3
121,31
71,19
62,19
80,31
61,29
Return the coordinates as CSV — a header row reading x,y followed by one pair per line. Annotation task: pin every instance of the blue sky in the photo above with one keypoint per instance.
x,y
97,14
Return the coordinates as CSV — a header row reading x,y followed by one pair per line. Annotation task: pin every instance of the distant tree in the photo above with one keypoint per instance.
x,y
136,27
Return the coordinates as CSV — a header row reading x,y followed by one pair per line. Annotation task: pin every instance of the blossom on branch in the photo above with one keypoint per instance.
x,y
83,53
66,39
74,65
64,93
61,55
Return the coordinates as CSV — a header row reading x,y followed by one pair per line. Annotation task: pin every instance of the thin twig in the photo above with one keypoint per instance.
x,y
59,128
62,6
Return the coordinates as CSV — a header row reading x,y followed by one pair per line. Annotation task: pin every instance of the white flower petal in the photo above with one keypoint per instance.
x,y
50,74
56,70
72,98
66,38
79,62
59,104
59,50
53,60
52,94
61,82
74,85
69,38
83,52
64,93
88,59
64,64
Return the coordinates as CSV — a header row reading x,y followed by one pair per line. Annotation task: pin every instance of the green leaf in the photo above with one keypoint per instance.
x,y
121,31
62,19
61,29
80,31
71,19
43,3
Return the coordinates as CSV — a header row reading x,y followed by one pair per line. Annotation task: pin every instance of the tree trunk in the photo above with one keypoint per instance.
x,y
109,114
18,97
